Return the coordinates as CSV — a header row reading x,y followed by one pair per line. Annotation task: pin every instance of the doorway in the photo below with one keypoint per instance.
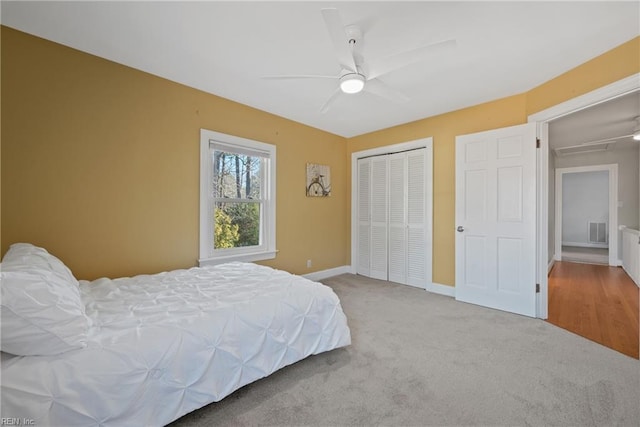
x,y
598,302
544,240
586,216
545,204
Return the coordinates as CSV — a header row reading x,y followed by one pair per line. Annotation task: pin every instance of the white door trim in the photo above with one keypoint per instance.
x,y
388,149
597,96
613,208
542,118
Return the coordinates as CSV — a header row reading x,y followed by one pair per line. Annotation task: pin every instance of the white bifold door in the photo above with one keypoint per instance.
x,y
394,230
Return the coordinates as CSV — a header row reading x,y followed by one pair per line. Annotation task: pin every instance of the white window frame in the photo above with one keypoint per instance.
x,y
267,248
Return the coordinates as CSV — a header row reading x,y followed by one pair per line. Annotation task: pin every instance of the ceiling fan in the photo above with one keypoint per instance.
x,y
356,75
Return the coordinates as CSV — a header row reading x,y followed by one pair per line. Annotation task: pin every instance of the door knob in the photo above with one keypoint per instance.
x,y
460,229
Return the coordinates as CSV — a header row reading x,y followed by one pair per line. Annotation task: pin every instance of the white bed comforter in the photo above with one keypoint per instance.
x,y
163,345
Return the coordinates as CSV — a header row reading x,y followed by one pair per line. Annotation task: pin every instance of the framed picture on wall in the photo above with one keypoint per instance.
x,y
318,180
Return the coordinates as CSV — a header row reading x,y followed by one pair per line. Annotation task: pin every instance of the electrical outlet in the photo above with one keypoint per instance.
x,y
308,263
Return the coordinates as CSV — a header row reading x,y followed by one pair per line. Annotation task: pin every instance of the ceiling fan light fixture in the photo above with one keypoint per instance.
x,y
352,83
636,130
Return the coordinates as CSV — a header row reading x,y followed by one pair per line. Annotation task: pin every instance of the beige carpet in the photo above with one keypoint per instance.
x,y
424,359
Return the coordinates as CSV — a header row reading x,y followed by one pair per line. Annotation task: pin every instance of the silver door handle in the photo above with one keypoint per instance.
x,y
460,229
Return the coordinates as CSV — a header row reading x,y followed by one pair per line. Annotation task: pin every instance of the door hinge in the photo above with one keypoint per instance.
x,y
537,288
537,142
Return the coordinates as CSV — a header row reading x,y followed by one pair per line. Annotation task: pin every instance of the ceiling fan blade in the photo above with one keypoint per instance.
x,y
339,38
399,60
382,90
330,101
299,76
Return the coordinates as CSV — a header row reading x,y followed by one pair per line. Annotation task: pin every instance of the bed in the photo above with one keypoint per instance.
x,y
148,349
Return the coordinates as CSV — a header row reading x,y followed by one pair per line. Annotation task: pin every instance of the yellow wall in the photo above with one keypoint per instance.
x,y
602,70
614,65
100,161
100,165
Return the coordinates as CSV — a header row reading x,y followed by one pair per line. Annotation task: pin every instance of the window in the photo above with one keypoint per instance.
x,y
237,199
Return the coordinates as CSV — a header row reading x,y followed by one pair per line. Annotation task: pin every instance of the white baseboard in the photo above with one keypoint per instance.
x,y
633,279
323,274
436,288
550,266
446,290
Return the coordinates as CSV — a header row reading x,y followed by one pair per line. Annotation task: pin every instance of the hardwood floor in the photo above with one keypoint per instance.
x,y
588,255
597,302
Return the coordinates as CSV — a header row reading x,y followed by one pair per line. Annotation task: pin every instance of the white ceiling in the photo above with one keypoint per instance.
x,y
226,48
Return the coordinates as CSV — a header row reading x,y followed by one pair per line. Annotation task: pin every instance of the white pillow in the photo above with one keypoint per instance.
x,y
41,310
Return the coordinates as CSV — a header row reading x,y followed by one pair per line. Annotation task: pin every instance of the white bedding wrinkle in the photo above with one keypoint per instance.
x,y
163,345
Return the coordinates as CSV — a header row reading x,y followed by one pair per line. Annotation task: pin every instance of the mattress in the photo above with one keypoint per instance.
x,y
163,345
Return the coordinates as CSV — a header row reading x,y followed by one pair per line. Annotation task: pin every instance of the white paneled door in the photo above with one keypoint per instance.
x,y
496,219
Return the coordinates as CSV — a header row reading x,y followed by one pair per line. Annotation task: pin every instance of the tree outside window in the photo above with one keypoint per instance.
x,y
237,180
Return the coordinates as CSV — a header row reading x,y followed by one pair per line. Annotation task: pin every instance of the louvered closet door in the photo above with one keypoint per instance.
x,y
398,218
418,267
394,222
378,217
364,212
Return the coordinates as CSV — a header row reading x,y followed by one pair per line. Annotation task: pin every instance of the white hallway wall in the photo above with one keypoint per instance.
x,y
585,198
628,161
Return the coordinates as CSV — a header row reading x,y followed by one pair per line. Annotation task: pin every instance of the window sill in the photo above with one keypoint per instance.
x,y
246,257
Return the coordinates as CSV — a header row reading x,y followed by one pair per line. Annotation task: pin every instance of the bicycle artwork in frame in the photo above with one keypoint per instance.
x,y
318,180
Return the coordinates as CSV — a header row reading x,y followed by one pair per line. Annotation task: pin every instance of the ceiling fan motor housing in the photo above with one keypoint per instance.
x,y
355,40
354,35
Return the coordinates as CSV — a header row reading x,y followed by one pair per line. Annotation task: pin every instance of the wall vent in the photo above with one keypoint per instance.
x,y
597,232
